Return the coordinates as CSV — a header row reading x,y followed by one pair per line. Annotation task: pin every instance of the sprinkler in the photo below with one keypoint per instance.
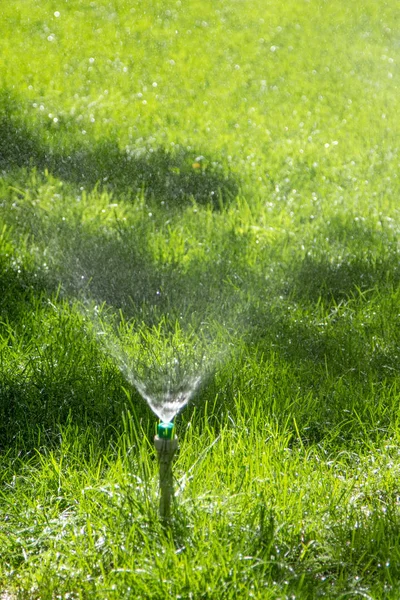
x,y
166,444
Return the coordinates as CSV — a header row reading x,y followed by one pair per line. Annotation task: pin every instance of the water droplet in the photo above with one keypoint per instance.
x,y
57,14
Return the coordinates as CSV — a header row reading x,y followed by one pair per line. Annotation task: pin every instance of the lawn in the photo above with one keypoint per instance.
x,y
201,195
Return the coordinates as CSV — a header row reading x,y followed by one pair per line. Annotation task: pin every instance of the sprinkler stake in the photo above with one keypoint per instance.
x,y
166,444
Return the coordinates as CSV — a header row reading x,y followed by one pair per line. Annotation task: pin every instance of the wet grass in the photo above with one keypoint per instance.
x,y
220,170
174,176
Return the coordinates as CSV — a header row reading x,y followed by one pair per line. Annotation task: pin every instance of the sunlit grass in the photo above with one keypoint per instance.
x,y
217,171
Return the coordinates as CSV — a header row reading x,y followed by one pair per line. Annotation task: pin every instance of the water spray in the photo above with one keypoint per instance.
x,y
166,444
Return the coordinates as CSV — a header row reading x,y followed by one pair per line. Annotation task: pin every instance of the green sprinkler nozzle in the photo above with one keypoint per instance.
x,y
165,431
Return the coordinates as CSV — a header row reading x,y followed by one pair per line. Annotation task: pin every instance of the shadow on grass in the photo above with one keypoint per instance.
x,y
325,297
16,289
171,177
34,405
333,325
363,256
121,271
323,351
59,372
53,373
320,279
117,269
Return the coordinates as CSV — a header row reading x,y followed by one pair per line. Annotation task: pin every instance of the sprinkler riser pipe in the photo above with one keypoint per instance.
x,y
165,451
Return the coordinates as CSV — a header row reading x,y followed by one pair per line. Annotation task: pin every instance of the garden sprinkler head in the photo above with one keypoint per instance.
x,y
165,431
166,444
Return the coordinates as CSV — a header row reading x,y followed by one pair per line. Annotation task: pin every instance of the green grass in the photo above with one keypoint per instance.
x,y
277,250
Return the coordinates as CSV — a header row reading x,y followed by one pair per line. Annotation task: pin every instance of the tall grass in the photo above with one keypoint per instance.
x,y
222,170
